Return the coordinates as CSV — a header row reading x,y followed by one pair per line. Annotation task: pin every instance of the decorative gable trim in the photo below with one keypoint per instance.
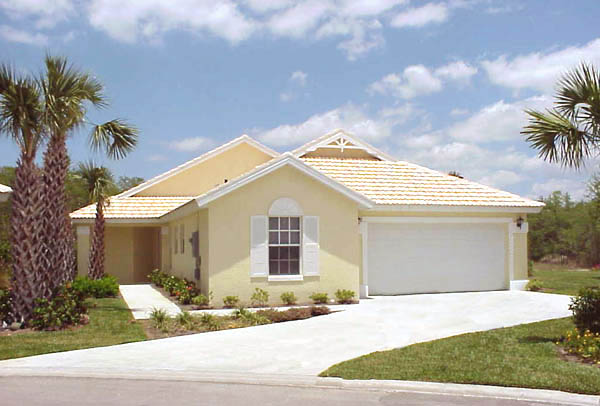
x,y
340,139
225,147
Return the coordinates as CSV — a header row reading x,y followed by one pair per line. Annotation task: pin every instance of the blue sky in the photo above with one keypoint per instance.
x,y
440,83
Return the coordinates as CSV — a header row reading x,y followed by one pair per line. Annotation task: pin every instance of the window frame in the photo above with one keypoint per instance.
x,y
298,244
175,239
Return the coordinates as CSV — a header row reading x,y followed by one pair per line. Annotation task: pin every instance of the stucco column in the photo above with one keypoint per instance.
x,y
517,255
364,286
83,249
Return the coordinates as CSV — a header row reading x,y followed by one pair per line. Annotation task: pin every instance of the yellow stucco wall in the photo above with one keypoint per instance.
x,y
210,173
183,263
521,257
229,233
83,249
119,253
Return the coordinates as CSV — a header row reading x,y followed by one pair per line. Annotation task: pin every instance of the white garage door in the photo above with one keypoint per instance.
x,y
440,257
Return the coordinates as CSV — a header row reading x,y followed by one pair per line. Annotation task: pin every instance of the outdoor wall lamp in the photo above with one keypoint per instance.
x,y
520,222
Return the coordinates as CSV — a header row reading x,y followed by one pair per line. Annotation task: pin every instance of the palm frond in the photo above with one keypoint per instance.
x,y
99,180
115,137
559,139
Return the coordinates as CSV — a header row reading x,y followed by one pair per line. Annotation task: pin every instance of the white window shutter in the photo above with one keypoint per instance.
x,y
259,246
310,246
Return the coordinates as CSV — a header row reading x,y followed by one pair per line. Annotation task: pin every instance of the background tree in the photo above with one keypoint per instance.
x,y
128,182
66,93
100,184
570,132
20,119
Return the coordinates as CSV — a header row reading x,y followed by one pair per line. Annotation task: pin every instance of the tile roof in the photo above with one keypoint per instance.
x,y
138,207
403,183
5,189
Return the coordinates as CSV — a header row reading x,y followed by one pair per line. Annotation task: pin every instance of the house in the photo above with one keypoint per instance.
x,y
5,192
336,213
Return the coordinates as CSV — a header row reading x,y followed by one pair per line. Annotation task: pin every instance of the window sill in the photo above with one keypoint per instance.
x,y
283,278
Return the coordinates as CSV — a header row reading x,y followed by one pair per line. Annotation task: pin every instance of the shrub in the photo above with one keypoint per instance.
x,y
157,277
534,285
185,319
200,301
98,288
209,321
296,313
319,310
159,317
319,298
5,306
173,284
530,268
64,309
586,310
249,317
231,301
260,297
586,345
289,298
344,296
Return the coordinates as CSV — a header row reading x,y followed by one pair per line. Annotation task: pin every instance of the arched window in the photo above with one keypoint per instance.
x,y
285,206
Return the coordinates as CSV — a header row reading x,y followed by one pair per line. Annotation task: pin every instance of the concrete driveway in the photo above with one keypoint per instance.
x,y
308,347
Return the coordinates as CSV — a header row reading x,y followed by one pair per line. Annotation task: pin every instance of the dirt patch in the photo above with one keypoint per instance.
x,y
566,356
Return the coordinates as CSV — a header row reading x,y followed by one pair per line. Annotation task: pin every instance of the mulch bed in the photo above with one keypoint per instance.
x,y
566,356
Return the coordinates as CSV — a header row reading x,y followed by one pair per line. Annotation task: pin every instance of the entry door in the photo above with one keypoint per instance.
x,y
441,257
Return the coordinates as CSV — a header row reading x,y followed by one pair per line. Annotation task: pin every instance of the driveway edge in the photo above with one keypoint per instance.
x,y
482,391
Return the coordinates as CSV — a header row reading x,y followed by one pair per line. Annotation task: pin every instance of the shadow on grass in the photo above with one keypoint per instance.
x,y
536,340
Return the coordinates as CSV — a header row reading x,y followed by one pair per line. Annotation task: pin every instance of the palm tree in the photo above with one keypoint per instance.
x,y
100,182
66,94
570,132
20,119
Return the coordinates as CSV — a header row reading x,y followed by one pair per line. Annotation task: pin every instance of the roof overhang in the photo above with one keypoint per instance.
x,y
286,159
428,208
219,150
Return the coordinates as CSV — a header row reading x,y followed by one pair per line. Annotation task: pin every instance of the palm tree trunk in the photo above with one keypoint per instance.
x,y
27,243
57,224
96,269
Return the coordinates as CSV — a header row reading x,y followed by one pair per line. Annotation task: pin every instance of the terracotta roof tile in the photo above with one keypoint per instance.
x,y
403,183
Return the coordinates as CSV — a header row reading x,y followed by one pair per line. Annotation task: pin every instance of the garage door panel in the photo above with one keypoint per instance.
x,y
418,258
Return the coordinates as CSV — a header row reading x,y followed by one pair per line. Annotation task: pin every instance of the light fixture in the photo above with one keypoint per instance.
x,y
520,222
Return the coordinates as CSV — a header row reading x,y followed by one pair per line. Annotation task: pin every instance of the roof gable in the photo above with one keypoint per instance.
x,y
149,187
340,144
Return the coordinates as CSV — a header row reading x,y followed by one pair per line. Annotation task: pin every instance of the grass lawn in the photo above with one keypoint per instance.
x,y
110,323
521,356
563,280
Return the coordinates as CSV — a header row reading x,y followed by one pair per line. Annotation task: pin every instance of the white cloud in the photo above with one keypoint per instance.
x,y
421,16
156,158
297,21
47,13
149,19
15,35
419,80
364,8
191,144
299,77
501,179
349,117
458,112
539,71
265,6
577,189
500,121
415,80
459,71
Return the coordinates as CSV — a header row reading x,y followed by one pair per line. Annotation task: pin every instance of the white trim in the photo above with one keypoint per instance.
x,y
285,278
285,207
325,140
429,220
519,284
458,209
227,146
120,221
83,230
177,213
364,232
284,159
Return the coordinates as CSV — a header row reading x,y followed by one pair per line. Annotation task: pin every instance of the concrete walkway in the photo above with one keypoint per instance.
x,y
307,347
142,299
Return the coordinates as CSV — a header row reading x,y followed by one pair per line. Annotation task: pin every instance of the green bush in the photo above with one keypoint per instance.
x,y
231,301
159,317
260,297
319,310
210,322
66,308
319,298
534,285
185,319
344,296
249,317
586,310
158,277
296,313
200,301
98,288
5,306
530,268
289,298
586,345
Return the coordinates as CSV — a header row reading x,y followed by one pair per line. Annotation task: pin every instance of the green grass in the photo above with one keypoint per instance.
x,y
562,280
521,356
110,323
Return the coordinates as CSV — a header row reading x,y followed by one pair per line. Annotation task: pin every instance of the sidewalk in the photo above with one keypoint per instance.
x,y
142,299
